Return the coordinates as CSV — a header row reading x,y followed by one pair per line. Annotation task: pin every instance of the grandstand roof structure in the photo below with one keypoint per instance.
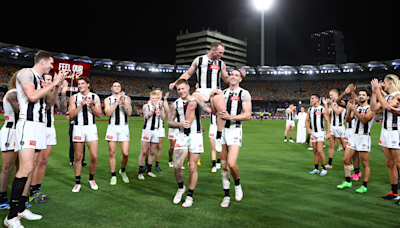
x,y
12,51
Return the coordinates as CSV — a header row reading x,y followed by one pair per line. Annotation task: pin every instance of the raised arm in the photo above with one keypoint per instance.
x,y
73,110
25,79
147,112
171,117
96,107
128,106
187,74
364,119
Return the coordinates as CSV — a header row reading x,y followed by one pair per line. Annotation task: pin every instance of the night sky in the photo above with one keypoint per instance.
x,y
146,31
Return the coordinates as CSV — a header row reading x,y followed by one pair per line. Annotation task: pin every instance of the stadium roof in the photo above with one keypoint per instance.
x,y
24,53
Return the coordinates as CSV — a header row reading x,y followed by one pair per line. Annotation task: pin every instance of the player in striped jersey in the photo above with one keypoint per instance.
x,y
84,107
337,124
7,138
316,128
290,123
150,135
40,169
238,109
194,146
209,69
389,139
33,96
360,140
118,108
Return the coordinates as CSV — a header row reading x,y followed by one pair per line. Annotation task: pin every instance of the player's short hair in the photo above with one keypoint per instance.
x,y
315,95
214,45
44,75
42,55
116,81
364,89
157,89
84,78
153,93
180,81
334,90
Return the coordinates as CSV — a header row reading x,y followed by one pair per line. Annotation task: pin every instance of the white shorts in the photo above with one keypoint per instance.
x,y
338,132
150,136
320,137
51,137
290,123
205,93
84,133
389,139
7,137
118,133
348,133
195,144
232,136
360,143
212,131
172,133
161,132
30,135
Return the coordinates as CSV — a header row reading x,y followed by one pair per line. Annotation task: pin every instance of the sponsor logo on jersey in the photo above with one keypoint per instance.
x,y
214,67
7,118
146,138
42,84
348,144
380,141
235,98
212,135
110,137
32,143
77,137
318,113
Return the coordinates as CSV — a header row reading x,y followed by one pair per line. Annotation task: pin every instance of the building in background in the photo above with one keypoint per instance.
x,y
328,48
191,45
249,29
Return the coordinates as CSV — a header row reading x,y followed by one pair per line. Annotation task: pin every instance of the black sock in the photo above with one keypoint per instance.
x,y
213,163
285,137
170,160
21,205
186,131
91,176
348,179
226,192
113,174
180,185
149,167
290,138
356,171
330,161
237,182
78,179
219,134
157,163
146,162
219,160
39,187
316,166
323,167
394,188
16,194
190,192
32,189
140,169
3,197
365,184
122,170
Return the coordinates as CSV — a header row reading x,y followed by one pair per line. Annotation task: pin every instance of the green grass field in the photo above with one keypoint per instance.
x,y
278,191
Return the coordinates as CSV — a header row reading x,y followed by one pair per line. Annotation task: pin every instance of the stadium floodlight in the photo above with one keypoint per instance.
x,y
262,5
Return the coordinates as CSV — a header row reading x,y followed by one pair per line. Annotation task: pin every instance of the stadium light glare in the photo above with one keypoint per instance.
x,y
263,4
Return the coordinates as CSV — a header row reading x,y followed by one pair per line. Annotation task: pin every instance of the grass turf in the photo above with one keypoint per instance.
x,y
278,191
